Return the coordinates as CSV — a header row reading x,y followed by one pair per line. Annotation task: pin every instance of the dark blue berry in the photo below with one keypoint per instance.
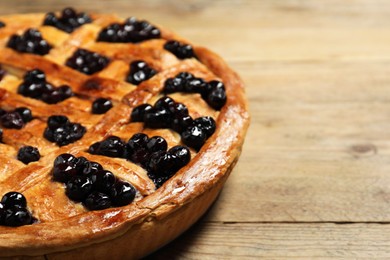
x,y
136,150
14,199
103,180
178,109
31,42
65,158
56,121
160,164
112,146
194,137
181,123
35,76
69,20
78,187
138,113
101,106
80,163
27,154
164,103
63,172
156,143
122,193
139,72
195,85
207,124
25,113
87,62
15,217
157,118
180,50
180,155
12,120
2,24
131,30
217,96
97,201
91,168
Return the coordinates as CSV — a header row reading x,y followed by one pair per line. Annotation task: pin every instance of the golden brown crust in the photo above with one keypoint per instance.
x,y
73,231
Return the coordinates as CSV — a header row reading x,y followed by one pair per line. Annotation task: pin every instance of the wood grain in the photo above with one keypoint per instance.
x,y
317,152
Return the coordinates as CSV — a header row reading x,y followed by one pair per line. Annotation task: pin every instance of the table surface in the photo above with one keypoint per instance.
x,y
314,176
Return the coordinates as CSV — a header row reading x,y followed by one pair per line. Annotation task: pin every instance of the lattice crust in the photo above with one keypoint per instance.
x,y
46,198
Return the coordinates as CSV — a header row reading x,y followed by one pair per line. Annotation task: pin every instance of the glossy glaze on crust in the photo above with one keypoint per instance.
x,y
204,174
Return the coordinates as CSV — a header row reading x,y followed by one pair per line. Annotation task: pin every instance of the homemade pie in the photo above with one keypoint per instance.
x,y
116,135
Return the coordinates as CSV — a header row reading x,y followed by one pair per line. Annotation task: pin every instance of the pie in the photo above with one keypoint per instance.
x,y
116,134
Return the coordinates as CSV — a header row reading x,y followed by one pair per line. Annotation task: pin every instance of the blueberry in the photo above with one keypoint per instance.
x,y
2,24
112,146
65,158
63,172
16,217
12,120
35,76
181,123
164,103
27,154
65,92
195,85
101,106
87,62
56,121
178,109
157,118
2,213
138,113
136,150
159,181
139,72
30,42
103,180
181,156
94,148
180,50
131,30
156,143
78,187
194,137
172,85
97,201
91,168
207,124
160,163
122,193
217,98
14,199
80,163
25,113
137,141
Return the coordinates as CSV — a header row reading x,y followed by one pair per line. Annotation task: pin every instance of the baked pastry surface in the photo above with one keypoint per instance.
x,y
62,227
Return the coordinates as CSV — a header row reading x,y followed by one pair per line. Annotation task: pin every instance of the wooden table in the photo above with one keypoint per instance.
x,y
314,176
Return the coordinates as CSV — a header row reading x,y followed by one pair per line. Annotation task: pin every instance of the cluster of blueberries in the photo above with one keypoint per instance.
x,y
151,153
61,131
13,210
35,86
132,30
212,92
166,113
87,62
27,154
139,71
15,119
68,21
180,50
30,41
87,182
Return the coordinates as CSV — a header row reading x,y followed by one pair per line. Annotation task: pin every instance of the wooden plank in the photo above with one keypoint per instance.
x,y
318,146
279,241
